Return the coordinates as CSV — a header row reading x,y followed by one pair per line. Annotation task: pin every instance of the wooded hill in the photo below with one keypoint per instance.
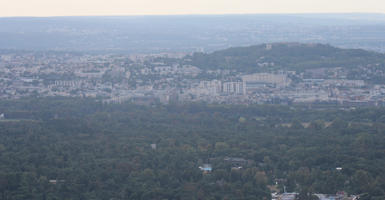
x,y
285,56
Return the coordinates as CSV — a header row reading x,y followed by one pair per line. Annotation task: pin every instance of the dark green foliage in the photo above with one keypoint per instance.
x,y
285,56
97,151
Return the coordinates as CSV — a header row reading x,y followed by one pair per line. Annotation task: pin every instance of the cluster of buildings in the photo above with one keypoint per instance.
x,y
338,196
152,79
279,88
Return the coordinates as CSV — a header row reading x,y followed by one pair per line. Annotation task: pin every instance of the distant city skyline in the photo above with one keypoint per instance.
x,y
44,8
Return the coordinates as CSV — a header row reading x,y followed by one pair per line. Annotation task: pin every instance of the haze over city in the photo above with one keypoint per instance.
x,y
182,7
192,99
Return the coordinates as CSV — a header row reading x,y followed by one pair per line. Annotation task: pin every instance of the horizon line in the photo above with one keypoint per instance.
x,y
195,14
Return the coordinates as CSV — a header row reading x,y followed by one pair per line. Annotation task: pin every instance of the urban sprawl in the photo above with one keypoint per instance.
x,y
166,78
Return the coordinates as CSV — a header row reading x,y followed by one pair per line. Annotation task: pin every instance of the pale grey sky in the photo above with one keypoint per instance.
x,y
172,7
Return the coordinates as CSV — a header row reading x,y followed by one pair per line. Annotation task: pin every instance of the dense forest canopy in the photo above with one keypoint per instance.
x,y
64,148
285,56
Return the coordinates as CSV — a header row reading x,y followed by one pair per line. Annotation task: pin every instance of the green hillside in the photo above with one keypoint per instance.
x,y
286,56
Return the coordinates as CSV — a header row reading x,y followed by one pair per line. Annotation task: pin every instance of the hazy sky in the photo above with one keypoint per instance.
x,y
171,7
